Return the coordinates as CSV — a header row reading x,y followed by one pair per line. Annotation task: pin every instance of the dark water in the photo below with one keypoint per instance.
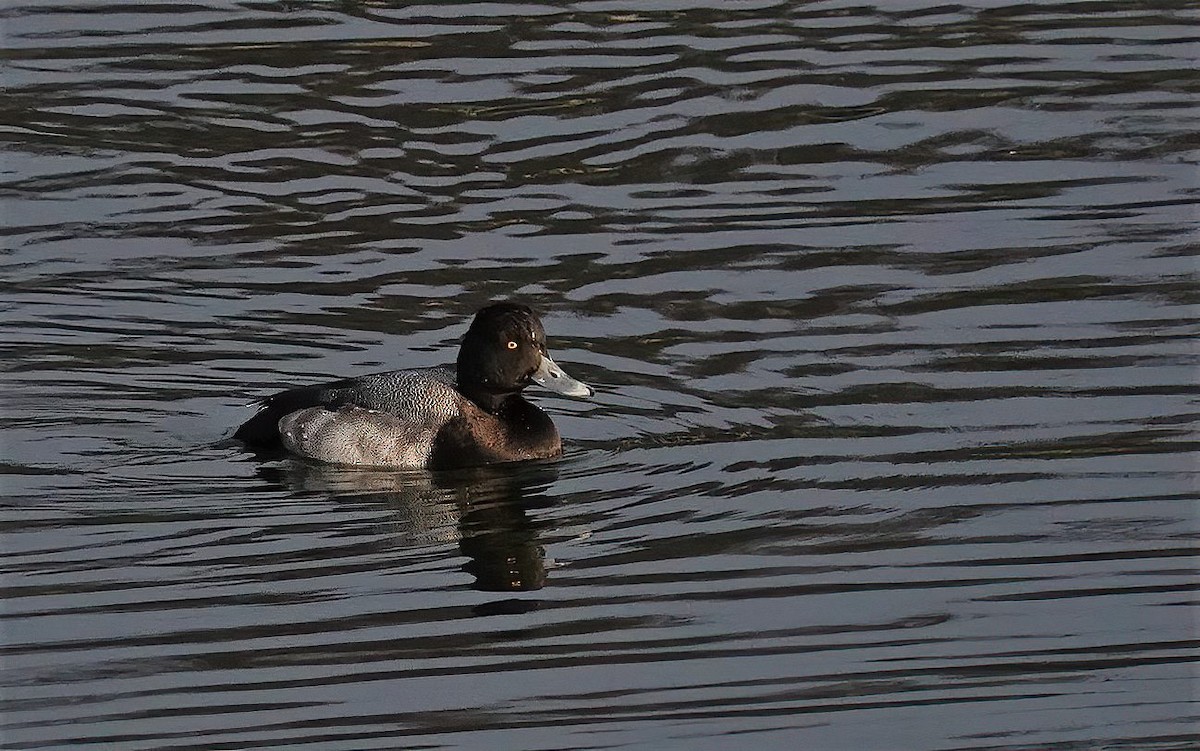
x,y
891,308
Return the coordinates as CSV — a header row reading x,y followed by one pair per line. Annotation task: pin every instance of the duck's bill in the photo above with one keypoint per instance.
x,y
550,376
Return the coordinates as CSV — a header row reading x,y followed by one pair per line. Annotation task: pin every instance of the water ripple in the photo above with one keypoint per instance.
x,y
890,307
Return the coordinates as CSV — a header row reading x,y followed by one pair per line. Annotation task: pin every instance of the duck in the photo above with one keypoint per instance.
x,y
432,418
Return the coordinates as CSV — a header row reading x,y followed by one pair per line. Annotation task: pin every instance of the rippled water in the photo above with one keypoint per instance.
x,y
890,307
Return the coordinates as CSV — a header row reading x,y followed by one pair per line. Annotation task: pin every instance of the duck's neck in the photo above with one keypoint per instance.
x,y
495,403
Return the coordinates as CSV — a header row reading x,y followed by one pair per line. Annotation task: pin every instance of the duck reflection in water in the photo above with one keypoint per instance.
x,y
484,509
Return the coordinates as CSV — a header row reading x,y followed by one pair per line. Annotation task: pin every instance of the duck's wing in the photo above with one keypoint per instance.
x,y
357,436
408,394
262,430
403,436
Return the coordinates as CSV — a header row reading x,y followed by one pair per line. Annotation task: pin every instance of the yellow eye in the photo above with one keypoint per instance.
x,y
512,345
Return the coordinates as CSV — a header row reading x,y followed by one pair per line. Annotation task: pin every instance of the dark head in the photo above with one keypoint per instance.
x,y
503,352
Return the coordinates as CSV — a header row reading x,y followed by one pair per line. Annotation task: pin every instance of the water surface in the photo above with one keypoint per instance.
x,y
891,309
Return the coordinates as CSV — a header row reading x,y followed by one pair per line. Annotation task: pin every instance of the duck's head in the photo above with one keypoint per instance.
x,y
504,351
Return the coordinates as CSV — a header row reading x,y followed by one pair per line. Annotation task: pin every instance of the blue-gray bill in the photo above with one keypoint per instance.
x,y
550,376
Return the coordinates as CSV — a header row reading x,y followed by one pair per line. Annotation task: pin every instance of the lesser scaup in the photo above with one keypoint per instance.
x,y
429,417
